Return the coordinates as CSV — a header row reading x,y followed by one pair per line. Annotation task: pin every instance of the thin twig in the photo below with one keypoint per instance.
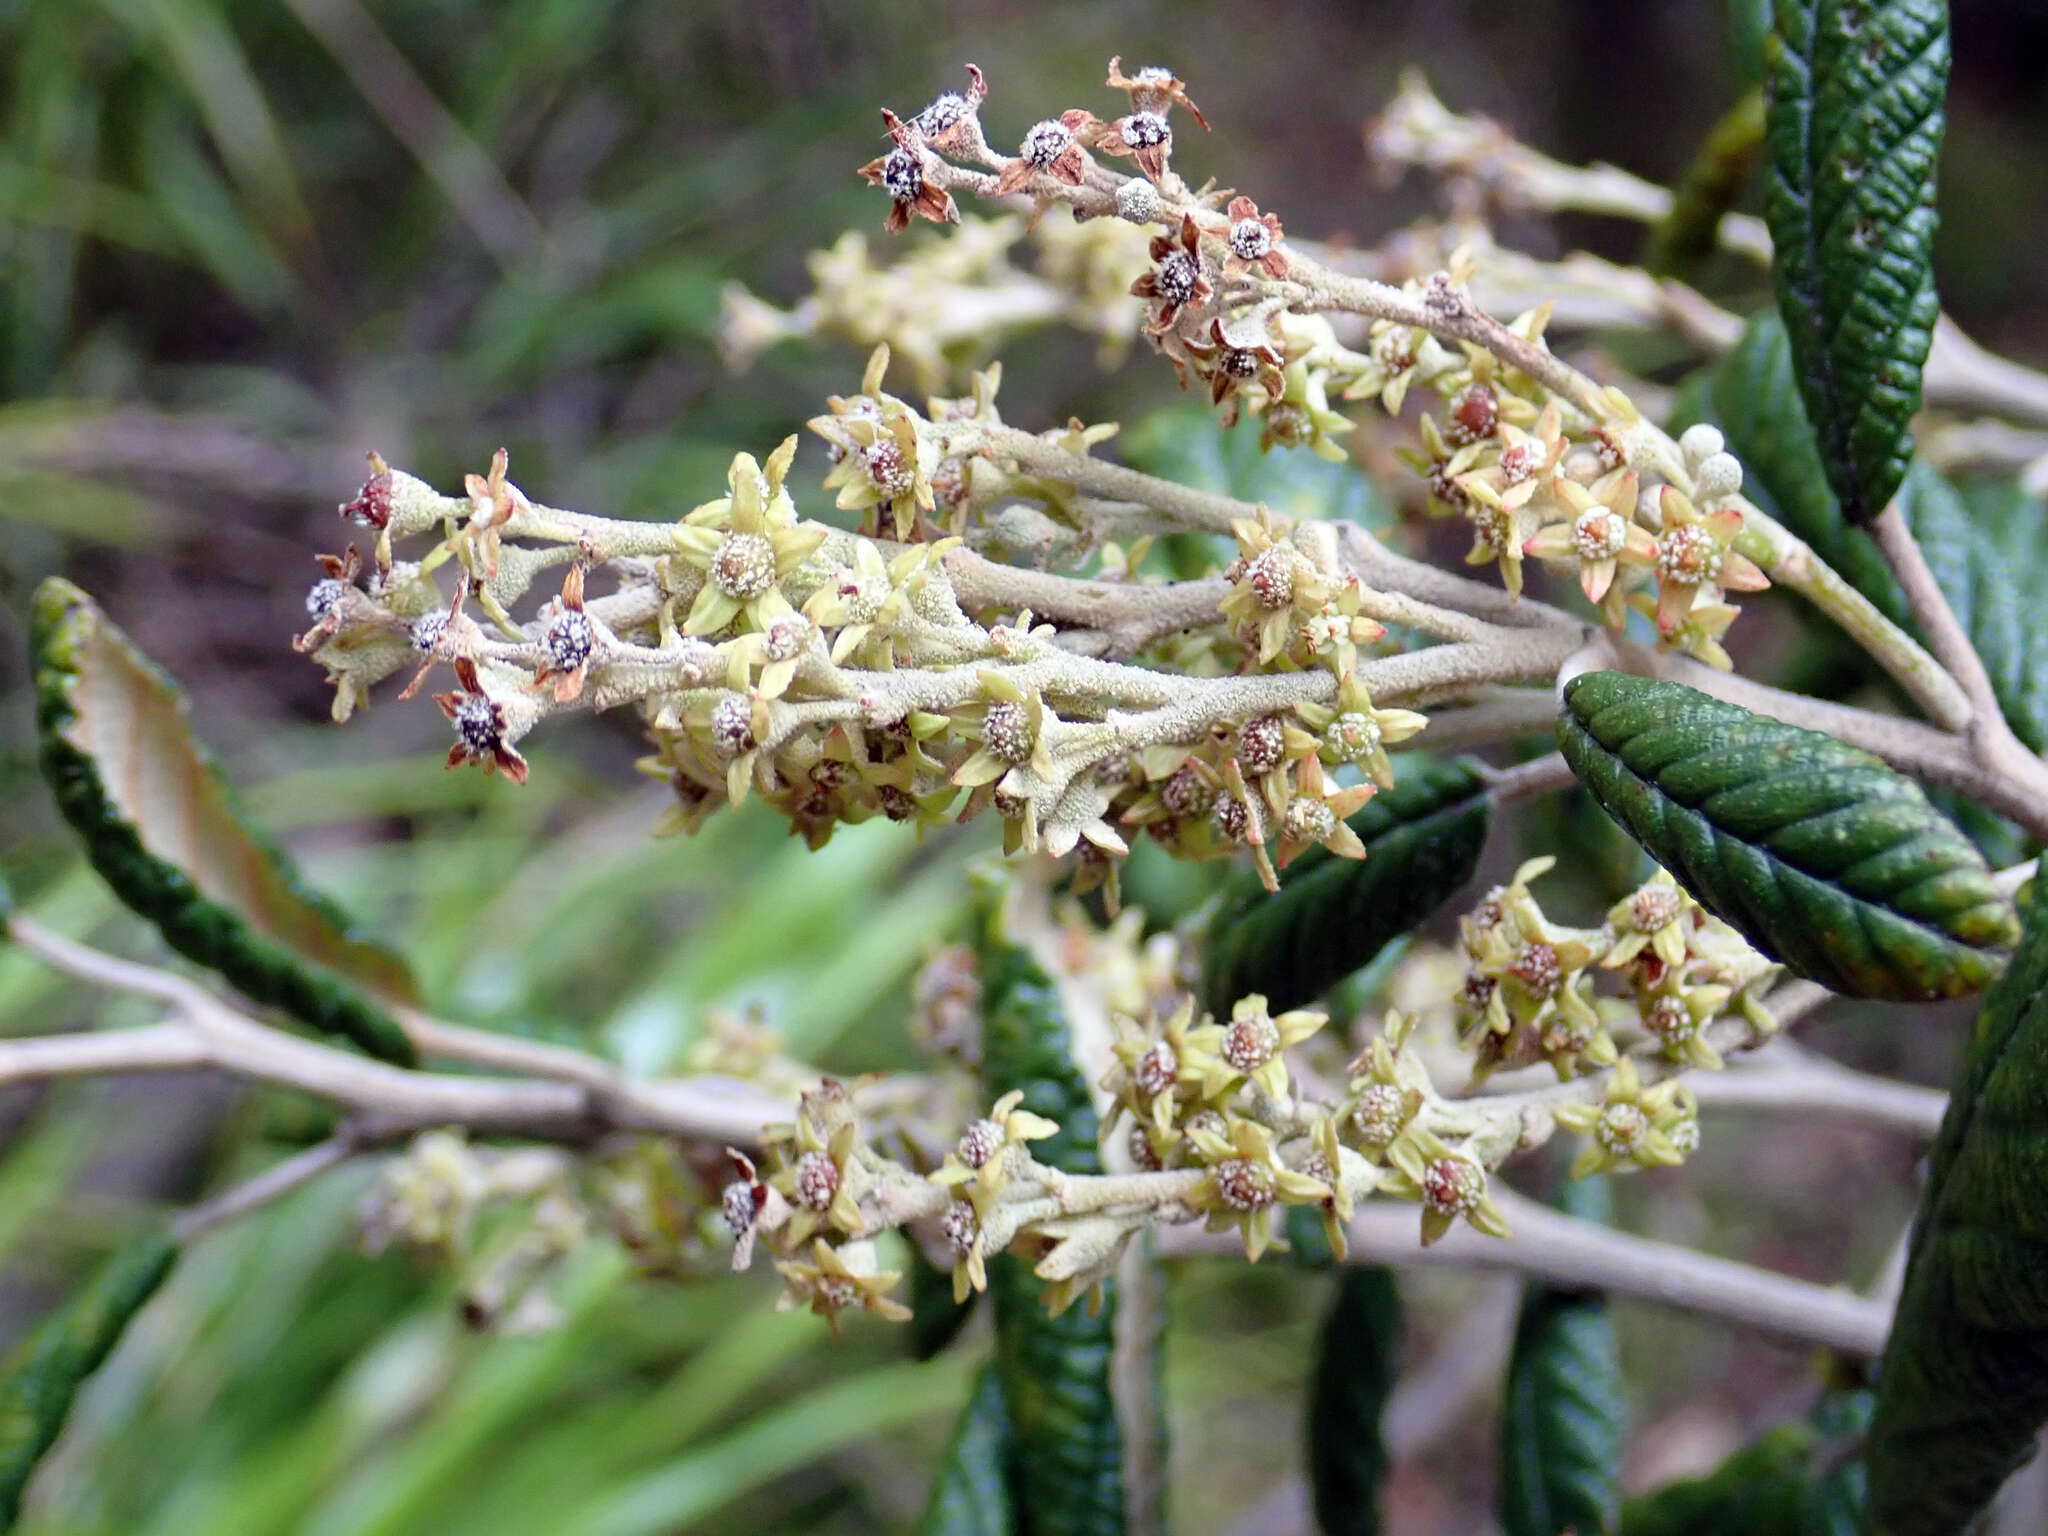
x,y
273,1183
1566,1251
1996,746
579,1098
1831,1091
1525,781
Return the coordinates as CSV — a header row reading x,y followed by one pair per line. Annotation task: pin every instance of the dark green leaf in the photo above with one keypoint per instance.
x,y
1710,187
1986,558
49,1367
1356,1363
163,829
1759,1491
1563,1421
971,1495
1331,916
1797,1479
1855,127
1055,1371
1819,854
1964,1383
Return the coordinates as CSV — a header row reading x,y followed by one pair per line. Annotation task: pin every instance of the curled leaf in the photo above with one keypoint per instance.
x,y
163,829
1794,1479
1563,1421
1817,853
1711,186
1987,558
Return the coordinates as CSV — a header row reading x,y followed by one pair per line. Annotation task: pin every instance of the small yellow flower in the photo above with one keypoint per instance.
x,y
1011,725
1355,732
829,1285
1274,586
1245,1182
1449,1181
1599,534
1696,552
984,1153
1162,1067
1698,634
1383,1098
1677,1016
1316,815
1325,1164
1632,1126
746,543
820,1180
1655,916
1252,1047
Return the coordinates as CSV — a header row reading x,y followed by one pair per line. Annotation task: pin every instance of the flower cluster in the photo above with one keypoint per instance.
x,y
1530,992
1217,1097
839,676
1572,483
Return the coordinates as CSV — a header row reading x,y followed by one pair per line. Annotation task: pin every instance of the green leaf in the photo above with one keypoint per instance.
x,y
51,1364
1055,1371
1357,1358
1563,1421
1793,1480
1964,1382
1987,559
1330,916
971,1496
1855,125
1747,23
1819,854
1759,1491
163,829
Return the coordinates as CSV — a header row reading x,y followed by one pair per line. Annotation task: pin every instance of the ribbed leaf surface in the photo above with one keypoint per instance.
x,y
1855,126
1330,916
1563,1421
971,1496
1055,1371
1964,1384
1819,854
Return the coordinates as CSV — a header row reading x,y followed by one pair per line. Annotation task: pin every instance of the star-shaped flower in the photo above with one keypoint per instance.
x,y
1245,1181
829,1285
1599,534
